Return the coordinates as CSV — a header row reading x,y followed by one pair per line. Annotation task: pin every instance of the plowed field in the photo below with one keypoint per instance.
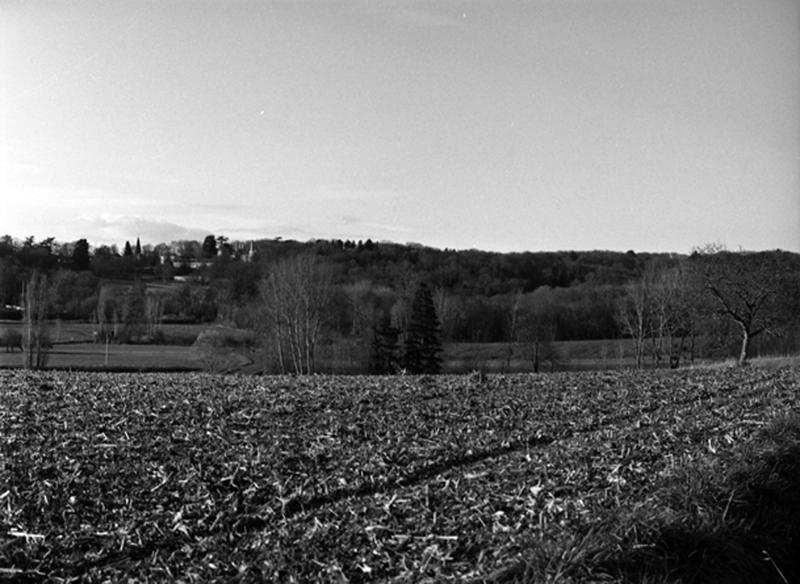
x,y
196,478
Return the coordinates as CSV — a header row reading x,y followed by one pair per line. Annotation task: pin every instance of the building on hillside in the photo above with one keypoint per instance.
x,y
176,256
241,254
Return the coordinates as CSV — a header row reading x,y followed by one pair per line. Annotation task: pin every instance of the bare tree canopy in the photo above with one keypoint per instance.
x,y
753,290
35,338
296,296
658,311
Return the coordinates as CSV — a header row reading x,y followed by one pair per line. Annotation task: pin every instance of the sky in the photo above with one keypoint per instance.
x,y
652,125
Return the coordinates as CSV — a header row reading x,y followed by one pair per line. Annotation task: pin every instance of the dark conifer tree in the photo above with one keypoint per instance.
x,y
138,248
128,249
80,255
209,249
423,343
383,358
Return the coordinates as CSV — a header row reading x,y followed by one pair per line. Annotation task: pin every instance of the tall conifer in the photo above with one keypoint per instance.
x,y
383,357
423,343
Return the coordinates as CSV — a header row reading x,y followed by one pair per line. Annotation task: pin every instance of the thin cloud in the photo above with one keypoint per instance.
x,y
345,192
117,229
350,220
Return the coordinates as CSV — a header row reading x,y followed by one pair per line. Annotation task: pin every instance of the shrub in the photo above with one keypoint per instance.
x,y
12,339
216,348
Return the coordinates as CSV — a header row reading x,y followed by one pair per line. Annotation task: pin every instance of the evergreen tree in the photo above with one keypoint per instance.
x,y
423,343
138,248
80,255
209,249
128,250
383,358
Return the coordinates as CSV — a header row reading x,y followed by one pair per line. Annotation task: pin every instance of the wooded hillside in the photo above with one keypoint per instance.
x,y
659,300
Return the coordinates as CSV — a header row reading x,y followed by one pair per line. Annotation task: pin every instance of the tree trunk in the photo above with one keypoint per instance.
x,y
745,348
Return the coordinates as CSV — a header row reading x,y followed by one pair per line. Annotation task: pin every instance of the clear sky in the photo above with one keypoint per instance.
x,y
653,125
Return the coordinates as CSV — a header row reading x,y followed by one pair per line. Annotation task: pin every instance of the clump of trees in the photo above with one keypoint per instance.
x,y
408,342
296,295
716,295
658,312
221,349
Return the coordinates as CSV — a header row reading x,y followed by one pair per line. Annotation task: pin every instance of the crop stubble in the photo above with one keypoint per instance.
x,y
201,477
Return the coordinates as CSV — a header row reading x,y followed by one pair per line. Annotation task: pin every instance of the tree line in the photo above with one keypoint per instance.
x,y
363,295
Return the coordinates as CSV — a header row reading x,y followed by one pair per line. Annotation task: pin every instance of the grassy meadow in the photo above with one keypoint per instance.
x,y
74,347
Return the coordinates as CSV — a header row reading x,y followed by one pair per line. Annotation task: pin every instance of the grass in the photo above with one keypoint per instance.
x,y
81,356
77,332
555,356
74,348
345,356
733,519
775,361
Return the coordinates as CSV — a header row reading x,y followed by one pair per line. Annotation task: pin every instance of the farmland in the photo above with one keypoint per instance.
x,y
563,477
74,347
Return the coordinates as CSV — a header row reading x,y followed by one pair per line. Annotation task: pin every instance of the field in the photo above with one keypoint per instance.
x,y
558,356
74,348
659,476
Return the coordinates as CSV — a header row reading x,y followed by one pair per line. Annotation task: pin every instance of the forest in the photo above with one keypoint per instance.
x,y
359,296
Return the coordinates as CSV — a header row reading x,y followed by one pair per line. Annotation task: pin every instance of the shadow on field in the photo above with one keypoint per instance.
x,y
750,535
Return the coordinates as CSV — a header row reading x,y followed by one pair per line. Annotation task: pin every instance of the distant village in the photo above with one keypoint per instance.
x,y
238,251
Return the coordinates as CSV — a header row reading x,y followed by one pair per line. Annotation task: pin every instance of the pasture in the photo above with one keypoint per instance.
x,y
74,347
616,476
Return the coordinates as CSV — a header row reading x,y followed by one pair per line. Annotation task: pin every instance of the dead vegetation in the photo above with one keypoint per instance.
x,y
613,476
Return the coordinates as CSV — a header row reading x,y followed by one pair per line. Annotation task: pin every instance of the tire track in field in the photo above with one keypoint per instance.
x,y
245,522
298,505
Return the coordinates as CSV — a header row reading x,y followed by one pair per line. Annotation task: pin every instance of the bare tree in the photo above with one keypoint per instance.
x,y
654,310
107,314
659,311
748,289
360,310
513,320
35,340
444,309
134,325
671,308
678,300
662,296
532,324
225,303
154,305
296,297
634,316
